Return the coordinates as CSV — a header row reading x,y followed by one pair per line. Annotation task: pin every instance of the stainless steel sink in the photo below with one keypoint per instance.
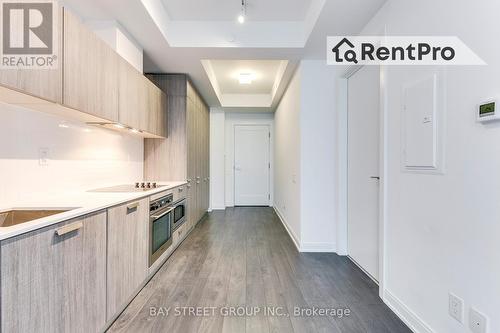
x,y
18,216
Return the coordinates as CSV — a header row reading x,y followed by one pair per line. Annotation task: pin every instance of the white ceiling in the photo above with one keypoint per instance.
x,y
266,76
144,20
217,26
227,73
227,10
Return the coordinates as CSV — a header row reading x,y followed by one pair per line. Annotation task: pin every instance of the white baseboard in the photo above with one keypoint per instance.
x,y
318,247
413,321
292,235
305,247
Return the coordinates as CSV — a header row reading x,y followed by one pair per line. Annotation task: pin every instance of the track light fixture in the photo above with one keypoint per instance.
x,y
243,13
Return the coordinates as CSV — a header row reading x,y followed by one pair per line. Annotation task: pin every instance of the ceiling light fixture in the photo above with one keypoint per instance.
x,y
243,14
245,78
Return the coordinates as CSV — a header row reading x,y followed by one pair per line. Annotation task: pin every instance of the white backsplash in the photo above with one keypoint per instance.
x,y
80,157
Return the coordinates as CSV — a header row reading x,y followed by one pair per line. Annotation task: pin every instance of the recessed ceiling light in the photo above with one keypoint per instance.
x,y
245,78
241,19
63,125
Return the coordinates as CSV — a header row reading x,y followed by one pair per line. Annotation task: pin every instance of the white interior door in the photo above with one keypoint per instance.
x,y
251,165
363,168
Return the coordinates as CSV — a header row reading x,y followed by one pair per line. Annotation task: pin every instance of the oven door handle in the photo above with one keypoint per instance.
x,y
168,210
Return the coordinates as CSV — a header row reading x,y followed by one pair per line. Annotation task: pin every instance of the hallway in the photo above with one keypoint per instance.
x,y
243,257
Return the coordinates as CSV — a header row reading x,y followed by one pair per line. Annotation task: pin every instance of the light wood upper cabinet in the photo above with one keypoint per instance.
x,y
133,97
157,110
90,71
92,82
54,282
128,244
42,83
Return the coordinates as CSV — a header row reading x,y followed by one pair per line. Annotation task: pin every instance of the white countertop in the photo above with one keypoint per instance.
x,y
84,202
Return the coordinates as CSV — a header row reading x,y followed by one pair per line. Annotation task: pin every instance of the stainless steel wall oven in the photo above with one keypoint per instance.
x,y
179,213
160,227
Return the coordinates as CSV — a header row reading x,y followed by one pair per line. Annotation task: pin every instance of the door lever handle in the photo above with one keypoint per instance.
x,y
375,177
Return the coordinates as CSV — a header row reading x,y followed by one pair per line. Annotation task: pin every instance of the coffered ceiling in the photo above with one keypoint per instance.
x,y
212,23
245,83
226,10
203,39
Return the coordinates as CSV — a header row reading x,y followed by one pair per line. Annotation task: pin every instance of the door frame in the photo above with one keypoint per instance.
x,y
269,154
246,119
383,163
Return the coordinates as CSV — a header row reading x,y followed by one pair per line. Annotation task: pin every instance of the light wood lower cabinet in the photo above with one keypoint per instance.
x,y
179,193
128,242
55,283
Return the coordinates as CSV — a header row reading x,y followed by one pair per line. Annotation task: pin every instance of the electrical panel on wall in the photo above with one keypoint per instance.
x,y
423,109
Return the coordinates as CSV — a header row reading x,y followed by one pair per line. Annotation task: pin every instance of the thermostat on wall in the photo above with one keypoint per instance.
x,y
488,111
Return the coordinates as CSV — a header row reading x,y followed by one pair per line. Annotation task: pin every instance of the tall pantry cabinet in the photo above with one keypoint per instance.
x,y
184,155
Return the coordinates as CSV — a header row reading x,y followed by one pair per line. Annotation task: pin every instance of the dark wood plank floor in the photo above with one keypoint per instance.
x,y
244,257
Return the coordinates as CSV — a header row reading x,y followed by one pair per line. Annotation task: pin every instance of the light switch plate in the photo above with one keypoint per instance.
x,y
456,307
43,156
478,322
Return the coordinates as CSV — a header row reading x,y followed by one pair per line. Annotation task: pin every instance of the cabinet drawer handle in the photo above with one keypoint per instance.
x,y
181,189
133,205
69,228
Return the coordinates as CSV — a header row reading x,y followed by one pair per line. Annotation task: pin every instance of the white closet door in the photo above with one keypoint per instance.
x,y
251,165
363,168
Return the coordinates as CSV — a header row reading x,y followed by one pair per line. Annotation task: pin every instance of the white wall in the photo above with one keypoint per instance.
x,y
318,159
442,232
222,152
80,157
287,181
217,159
119,40
307,175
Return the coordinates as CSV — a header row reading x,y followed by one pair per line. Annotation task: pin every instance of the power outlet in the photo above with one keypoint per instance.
x,y
456,307
478,322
